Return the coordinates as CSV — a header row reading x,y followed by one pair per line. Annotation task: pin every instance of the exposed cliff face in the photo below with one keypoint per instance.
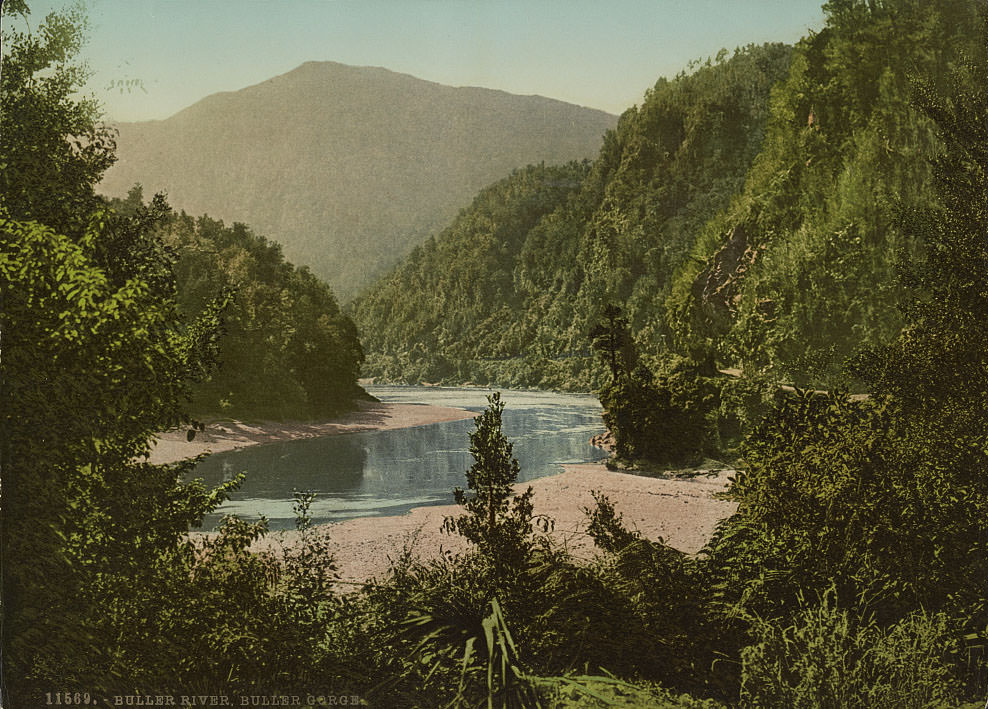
x,y
347,167
717,289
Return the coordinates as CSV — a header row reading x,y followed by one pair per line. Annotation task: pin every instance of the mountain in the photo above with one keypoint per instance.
x,y
347,167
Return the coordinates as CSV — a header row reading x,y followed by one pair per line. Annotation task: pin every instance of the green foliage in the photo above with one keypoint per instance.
x,y
90,369
613,340
250,621
510,291
447,313
605,527
746,213
103,592
665,419
882,500
935,362
287,350
667,636
609,694
567,621
833,658
886,498
95,360
506,684
891,511
53,150
800,272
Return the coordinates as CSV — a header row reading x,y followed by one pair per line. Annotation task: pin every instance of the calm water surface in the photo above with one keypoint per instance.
x,y
390,472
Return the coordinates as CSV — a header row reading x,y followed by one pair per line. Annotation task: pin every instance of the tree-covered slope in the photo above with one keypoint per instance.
x,y
453,305
743,215
799,272
347,167
522,318
286,350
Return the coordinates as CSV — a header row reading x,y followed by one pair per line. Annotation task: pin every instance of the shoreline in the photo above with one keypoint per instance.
x,y
680,511
222,436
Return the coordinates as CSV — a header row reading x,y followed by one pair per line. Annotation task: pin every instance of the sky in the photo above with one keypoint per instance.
x,y
152,58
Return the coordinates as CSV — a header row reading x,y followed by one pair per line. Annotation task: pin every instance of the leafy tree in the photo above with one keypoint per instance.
x,y
53,149
95,361
666,419
889,510
90,371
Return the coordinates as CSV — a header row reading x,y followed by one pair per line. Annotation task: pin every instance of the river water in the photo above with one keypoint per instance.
x,y
389,472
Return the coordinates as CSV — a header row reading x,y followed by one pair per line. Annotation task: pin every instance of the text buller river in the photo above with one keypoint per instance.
x,y
225,700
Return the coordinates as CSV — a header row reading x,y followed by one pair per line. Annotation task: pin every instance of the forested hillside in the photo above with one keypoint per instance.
x,y
348,167
451,311
800,271
670,163
744,215
286,351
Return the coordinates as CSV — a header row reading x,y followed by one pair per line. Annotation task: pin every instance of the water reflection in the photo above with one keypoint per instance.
x,y
389,472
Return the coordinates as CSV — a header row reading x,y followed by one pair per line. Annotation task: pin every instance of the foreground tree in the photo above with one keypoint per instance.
x,y
53,147
90,371
95,360
497,521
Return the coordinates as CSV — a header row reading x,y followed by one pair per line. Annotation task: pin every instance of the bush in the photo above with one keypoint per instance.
x,y
831,658
665,419
895,509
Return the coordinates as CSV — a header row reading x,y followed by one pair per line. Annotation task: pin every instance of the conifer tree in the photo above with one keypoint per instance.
x,y
497,521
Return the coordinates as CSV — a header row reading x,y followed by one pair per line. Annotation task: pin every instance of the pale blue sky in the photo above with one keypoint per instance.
x,y
589,52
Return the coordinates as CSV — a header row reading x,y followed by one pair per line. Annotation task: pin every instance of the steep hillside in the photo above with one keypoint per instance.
x,y
747,215
668,166
347,167
800,272
452,311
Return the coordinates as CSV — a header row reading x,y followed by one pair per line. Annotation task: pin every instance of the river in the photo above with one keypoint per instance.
x,y
389,472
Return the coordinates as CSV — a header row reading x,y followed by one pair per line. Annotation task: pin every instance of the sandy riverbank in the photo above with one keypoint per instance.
x,y
229,435
683,512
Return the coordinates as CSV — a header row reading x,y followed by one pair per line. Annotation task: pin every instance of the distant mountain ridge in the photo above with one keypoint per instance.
x,y
347,167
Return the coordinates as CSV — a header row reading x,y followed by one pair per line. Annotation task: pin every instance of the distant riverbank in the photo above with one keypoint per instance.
x,y
223,436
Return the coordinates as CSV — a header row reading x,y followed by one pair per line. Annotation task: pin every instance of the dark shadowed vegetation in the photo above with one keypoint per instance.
x,y
287,352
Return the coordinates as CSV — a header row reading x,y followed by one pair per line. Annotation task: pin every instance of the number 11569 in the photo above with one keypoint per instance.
x,y
67,698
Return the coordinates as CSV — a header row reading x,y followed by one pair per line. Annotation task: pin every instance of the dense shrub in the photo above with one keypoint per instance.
x,y
833,658
661,419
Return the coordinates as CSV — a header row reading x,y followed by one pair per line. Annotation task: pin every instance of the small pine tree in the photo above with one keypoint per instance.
x,y
497,521
612,339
